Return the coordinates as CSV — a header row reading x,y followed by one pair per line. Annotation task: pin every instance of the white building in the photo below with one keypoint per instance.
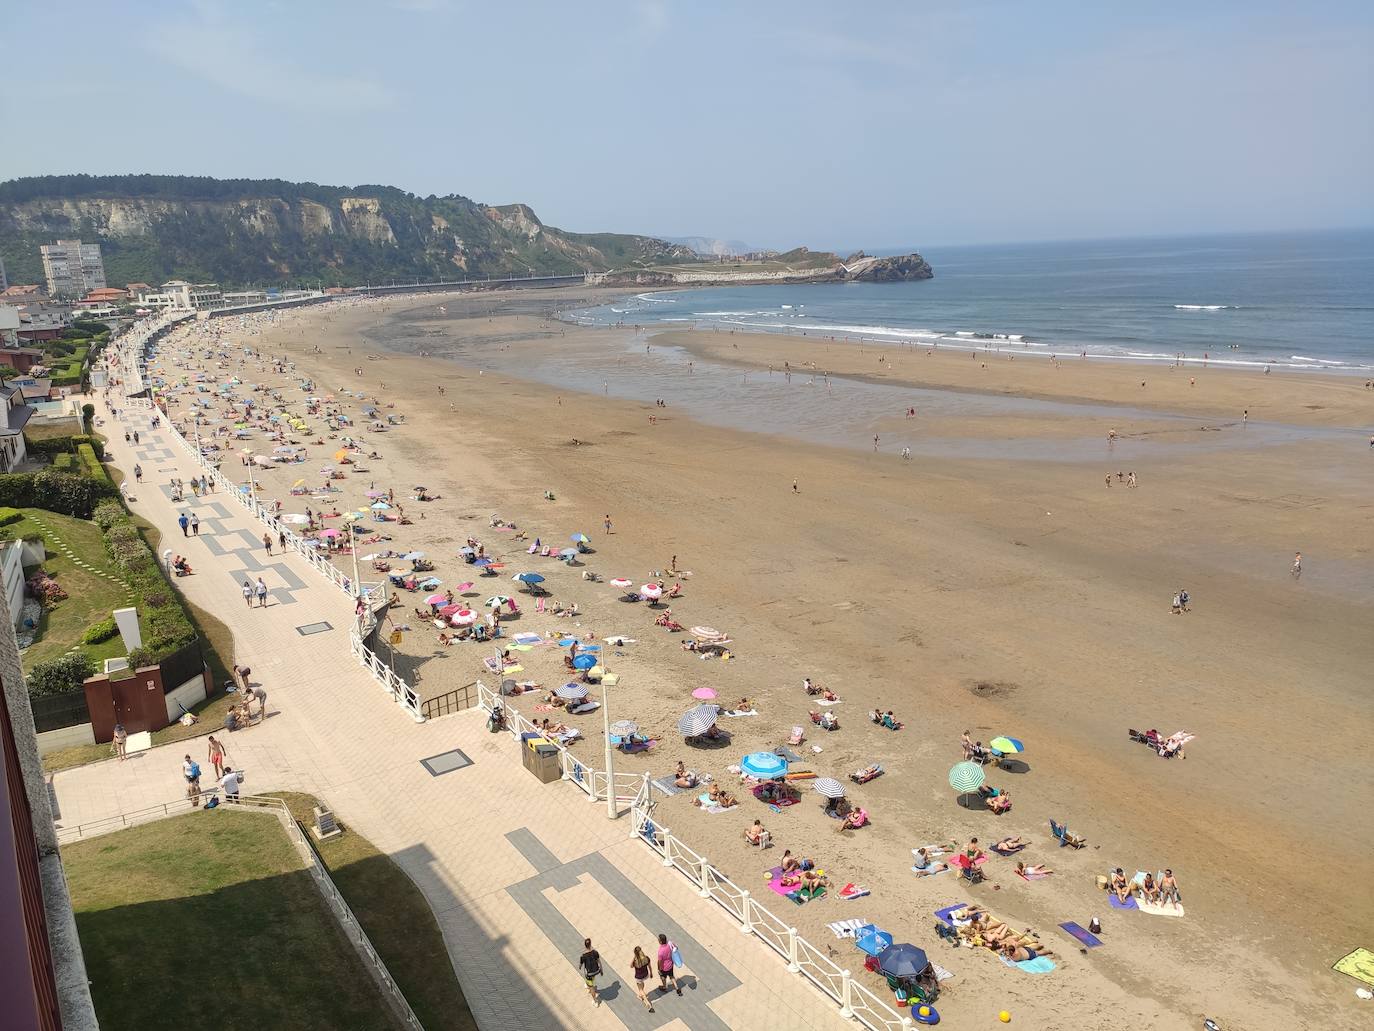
x,y
9,326
180,295
73,268
14,415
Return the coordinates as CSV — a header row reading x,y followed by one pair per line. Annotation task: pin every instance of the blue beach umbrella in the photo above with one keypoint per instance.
x,y
482,562
764,765
871,939
584,661
1007,745
530,578
580,538
904,960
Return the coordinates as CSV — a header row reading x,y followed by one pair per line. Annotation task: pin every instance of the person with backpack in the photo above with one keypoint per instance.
x,y
591,968
190,769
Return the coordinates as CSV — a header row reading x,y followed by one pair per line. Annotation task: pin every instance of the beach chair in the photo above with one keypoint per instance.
x,y
798,736
1064,837
866,774
539,605
967,869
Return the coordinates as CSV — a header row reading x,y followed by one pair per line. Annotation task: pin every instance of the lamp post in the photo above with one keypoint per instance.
x,y
611,811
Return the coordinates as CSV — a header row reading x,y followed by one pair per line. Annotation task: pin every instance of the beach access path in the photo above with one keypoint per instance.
x,y
516,872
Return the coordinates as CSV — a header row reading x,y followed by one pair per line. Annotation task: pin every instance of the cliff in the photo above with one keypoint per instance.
x,y
244,232
797,266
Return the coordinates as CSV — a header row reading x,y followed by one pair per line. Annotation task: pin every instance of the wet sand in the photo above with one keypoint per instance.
x,y
1005,596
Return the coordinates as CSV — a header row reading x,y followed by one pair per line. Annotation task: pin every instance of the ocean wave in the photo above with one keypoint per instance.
x,y
1206,307
655,300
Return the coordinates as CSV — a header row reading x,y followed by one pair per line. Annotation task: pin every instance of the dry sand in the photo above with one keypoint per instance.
x,y
1007,597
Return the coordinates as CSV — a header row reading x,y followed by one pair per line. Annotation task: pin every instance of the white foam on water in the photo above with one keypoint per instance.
x,y
1206,307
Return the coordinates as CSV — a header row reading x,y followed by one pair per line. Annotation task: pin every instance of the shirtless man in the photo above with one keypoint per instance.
x,y
1168,889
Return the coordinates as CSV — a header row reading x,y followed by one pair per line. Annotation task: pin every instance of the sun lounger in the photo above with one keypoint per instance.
x,y
798,736
1063,835
842,928
865,775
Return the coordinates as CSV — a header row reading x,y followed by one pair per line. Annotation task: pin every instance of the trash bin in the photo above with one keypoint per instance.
x,y
540,757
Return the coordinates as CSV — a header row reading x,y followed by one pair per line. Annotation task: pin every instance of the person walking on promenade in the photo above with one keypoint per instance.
x,y
267,543
216,756
195,525
248,593
262,593
640,963
590,963
667,964
281,540
138,473
184,523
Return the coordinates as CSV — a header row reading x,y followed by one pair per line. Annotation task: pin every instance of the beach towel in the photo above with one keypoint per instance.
x,y
787,754
801,896
667,786
775,882
1082,934
821,701
945,917
934,851
539,605
843,928
1116,903
1358,964
1159,909
1038,965
1036,876
740,712
543,708
527,638
852,891
941,974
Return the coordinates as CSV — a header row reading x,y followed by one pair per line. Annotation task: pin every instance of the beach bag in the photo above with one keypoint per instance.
x,y
677,956
195,771
212,802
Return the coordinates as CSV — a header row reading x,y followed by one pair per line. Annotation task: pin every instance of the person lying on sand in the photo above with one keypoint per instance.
x,y
806,880
1034,870
1007,845
1021,953
742,706
718,796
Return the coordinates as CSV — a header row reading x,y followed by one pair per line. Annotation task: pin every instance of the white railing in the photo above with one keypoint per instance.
x,y
856,1001
395,685
319,874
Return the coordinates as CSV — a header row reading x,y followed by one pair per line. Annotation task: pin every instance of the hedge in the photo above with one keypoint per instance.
x,y
164,623
48,447
90,465
59,492
102,631
65,462
10,515
62,674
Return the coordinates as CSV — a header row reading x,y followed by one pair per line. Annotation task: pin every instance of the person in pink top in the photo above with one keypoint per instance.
x,y
665,965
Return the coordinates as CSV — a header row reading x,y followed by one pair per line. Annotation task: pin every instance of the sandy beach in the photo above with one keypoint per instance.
x,y
1003,594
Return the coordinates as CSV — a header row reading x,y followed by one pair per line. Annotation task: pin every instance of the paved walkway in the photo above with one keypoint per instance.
x,y
517,872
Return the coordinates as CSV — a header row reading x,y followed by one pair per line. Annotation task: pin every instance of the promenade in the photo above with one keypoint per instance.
x,y
516,872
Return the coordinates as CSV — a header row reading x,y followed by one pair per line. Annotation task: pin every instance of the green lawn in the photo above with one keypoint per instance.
x,y
208,920
91,597
397,918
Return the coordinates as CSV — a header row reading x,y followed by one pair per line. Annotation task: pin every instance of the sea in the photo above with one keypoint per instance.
x,y
1290,300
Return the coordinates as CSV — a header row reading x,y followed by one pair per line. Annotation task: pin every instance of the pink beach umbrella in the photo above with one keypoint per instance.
x,y
622,583
464,587
704,693
331,532
449,610
463,617
651,591
435,599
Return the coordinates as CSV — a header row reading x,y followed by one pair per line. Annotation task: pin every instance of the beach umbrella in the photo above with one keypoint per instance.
x,y
496,601
411,556
262,460
340,454
464,587
580,538
529,578
483,562
429,583
622,583
376,494
584,661
331,533
568,553
572,692
298,483
704,693
763,765
651,591
705,631
829,787
463,617
966,776
624,728
871,939
698,720
904,960
380,506
448,610
367,558
1006,745
435,599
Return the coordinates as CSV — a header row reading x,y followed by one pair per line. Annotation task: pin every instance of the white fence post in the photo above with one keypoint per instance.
x,y
793,952
705,874
667,847
747,925
846,995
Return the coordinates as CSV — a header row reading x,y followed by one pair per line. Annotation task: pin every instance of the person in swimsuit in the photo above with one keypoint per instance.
x,y
1120,886
1168,889
926,864
590,962
216,756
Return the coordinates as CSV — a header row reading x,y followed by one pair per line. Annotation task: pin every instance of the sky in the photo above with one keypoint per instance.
x,y
775,122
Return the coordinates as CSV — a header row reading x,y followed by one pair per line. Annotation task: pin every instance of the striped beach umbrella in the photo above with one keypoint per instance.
x,y
1006,745
698,720
624,728
966,776
572,692
829,787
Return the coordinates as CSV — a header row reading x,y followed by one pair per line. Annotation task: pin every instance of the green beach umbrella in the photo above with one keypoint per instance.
x,y
1006,745
966,776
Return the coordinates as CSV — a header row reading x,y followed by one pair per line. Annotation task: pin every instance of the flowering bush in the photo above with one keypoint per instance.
x,y
43,587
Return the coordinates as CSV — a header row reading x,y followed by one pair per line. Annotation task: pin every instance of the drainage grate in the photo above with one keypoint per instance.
x,y
446,762
313,628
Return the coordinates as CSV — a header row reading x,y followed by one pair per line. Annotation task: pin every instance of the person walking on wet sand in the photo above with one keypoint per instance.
x,y
795,488
875,442
607,523
1297,565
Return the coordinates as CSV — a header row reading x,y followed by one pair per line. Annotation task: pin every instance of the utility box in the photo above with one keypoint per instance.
x,y
540,757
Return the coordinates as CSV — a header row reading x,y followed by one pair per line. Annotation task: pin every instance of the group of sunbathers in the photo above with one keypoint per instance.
x,y
717,796
815,689
826,720
885,719
1150,890
982,928
798,872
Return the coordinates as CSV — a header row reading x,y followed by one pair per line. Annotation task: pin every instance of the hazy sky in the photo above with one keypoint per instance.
x,y
833,124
